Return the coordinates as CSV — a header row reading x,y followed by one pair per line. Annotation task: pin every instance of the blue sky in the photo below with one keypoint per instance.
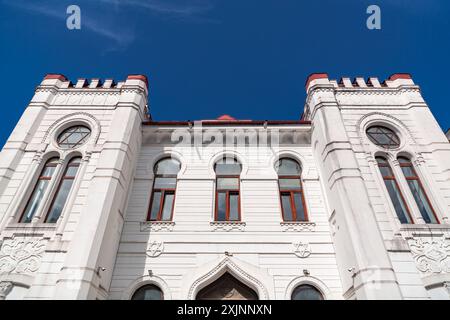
x,y
204,58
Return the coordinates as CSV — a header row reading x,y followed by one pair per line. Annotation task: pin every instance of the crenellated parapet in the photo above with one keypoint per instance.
x,y
398,89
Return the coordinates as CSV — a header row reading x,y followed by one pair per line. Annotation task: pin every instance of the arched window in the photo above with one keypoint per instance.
x,y
393,189
421,198
65,185
228,171
291,192
164,187
39,190
306,292
148,292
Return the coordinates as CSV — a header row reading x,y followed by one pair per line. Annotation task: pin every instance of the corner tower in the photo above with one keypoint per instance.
x,y
371,242
72,153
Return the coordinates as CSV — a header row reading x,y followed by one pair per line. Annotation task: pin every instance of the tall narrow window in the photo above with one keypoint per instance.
x,y
228,171
63,191
426,210
394,191
164,187
291,191
39,190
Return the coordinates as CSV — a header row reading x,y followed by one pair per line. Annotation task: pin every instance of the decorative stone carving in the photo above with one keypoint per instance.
x,y
5,288
297,226
157,226
21,255
301,249
227,226
432,255
155,248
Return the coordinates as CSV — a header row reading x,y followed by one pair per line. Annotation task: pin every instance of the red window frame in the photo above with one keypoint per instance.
x,y
292,193
163,192
50,163
416,178
71,163
227,198
392,177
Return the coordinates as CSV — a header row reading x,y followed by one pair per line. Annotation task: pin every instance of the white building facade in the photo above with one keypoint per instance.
x,y
98,201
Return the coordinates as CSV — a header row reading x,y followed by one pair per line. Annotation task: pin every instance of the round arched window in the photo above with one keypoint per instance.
x,y
306,292
148,292
73,137
383,137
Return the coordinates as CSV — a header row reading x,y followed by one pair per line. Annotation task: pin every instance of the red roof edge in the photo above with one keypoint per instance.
x,y
225,122
396,76
51,76
138,77
315,76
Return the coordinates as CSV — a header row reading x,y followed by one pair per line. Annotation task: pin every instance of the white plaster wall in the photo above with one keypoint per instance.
x,y
193,246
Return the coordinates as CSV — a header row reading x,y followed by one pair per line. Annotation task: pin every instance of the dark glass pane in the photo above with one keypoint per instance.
x,y
60,201
288,167
167,208
234,207
408,172
165,183
221,206
386,171
306,292
228,166
381,160
289,184
155,205
34,201
48,171
71,171
228,183
403,160
287,209
167,166
422,201
148,292
298,201
397,201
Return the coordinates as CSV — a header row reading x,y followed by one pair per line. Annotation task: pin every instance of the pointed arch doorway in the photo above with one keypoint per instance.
x,y
227,287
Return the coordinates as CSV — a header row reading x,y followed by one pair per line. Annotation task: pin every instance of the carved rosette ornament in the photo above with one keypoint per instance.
x,y
21,255
302,249
431,255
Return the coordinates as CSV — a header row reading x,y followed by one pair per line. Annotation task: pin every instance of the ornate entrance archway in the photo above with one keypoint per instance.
x,y
227,287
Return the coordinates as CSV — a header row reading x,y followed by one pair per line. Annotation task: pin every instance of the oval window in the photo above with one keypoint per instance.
x,y
383,137
73,137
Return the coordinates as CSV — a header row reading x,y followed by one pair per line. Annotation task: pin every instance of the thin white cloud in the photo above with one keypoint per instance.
x,y
122,38
181,8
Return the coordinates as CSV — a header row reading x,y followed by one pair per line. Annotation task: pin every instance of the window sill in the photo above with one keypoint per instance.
x,y
157,226
417,230
31,226
297,226
227,226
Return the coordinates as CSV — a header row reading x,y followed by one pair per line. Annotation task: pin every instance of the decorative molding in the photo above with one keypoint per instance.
x,y
301,249
157,226
21,255
227,226
155,248
5,288
297,226
432,255
75,116
228,264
